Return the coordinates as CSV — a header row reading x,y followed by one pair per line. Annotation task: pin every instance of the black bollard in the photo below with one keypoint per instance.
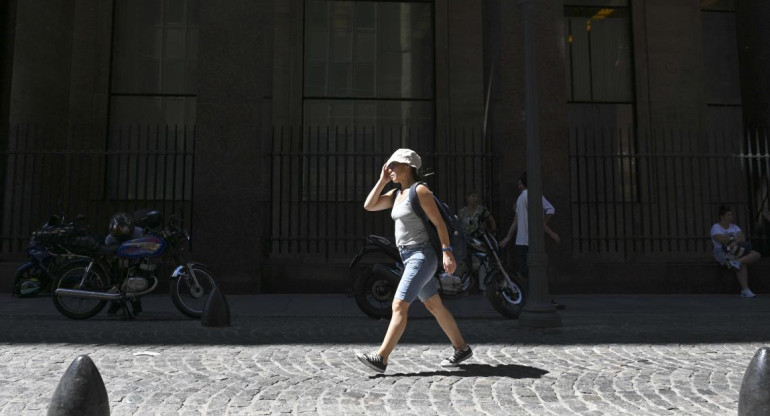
x,y
80,392
217,311
754,398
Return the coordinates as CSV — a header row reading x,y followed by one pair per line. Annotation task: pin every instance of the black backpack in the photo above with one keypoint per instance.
x,y
453,224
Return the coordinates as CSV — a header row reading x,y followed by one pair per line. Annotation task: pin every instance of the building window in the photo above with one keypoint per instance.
x,y
598,54
368,63
154,62
600,96
368,86
722,88
153,94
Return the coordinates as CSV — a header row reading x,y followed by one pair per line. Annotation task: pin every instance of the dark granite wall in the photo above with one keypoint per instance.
x,y
231,196
42,61
753,32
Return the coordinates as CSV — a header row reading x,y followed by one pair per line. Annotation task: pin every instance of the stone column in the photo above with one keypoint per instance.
x,y
538,311
232,155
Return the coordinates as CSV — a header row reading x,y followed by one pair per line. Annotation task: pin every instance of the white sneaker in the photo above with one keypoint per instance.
x,y
747,293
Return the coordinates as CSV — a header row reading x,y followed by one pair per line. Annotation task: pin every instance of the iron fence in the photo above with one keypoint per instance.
x,y
95,173
634,194
322,175
638,194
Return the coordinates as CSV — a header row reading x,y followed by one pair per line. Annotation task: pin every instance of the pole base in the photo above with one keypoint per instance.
x,y
540,319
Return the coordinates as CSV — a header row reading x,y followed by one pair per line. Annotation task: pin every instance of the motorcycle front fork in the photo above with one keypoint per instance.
x,y
85,274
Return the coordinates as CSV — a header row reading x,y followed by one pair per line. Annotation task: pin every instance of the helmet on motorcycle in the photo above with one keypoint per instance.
x,y
122,226
29,287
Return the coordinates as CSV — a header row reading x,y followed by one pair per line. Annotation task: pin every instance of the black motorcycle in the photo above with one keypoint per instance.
x,y
376,279
46,253
126,272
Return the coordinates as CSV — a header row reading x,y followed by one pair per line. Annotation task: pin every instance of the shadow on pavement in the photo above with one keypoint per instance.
x,y
609,329
334,319
477,370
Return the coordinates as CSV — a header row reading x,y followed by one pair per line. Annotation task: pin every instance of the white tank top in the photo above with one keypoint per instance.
x,y
410,229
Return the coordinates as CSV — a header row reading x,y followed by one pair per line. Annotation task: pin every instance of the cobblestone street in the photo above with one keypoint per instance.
x,y
656,355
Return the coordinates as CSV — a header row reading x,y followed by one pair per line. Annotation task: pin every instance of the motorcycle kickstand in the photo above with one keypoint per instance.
x,y
127,315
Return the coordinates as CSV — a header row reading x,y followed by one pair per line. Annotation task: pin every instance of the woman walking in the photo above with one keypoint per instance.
x,y
418,255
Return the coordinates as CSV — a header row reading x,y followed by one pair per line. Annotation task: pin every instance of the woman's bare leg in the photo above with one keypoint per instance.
x,y
752,257
395,328
445,320
742,276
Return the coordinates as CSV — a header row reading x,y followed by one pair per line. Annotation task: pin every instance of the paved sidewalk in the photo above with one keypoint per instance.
x,y
614,355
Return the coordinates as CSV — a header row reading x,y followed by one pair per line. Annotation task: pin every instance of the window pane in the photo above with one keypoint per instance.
x,y
368,113
152,111
363,80
152,39
174,12
599,58
577,49
611,60
366,46
318,16
174,77
341,15
396,37
342,47
315,80
339,79
365,15
175,44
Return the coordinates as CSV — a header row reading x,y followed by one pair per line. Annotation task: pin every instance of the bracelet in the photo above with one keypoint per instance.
x,y
448,248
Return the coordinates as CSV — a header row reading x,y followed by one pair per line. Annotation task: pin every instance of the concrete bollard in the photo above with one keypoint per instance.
x,y
754,398
216,313
80,392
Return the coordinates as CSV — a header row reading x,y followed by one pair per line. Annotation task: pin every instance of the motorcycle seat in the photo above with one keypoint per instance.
x,y
108,250
148,219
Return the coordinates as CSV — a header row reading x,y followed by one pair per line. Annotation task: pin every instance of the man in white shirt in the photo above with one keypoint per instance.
x,y
521,223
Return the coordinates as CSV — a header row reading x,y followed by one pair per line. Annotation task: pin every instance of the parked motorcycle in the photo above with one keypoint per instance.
x,y
126,272
376,280
46,252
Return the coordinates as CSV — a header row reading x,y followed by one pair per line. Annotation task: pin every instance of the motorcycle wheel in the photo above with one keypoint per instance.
x,y
28,281
374,294
506,298
188,299
70,277
469,282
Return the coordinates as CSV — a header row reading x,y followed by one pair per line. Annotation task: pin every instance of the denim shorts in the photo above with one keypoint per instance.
x,y
420,265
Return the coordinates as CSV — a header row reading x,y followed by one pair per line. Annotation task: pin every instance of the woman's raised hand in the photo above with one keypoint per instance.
x,y
384,175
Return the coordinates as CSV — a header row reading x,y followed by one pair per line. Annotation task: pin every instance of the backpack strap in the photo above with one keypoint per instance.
x,y
414,201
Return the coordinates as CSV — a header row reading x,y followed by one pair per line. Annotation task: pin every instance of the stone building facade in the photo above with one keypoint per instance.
x,y
259,81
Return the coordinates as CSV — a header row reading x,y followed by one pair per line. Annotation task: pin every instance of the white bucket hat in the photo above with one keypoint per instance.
x,y
408,156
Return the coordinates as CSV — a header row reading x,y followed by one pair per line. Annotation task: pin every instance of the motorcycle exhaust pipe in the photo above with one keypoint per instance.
x,y
88,294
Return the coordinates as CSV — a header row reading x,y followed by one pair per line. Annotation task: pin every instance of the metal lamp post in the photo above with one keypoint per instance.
x,y
538,311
